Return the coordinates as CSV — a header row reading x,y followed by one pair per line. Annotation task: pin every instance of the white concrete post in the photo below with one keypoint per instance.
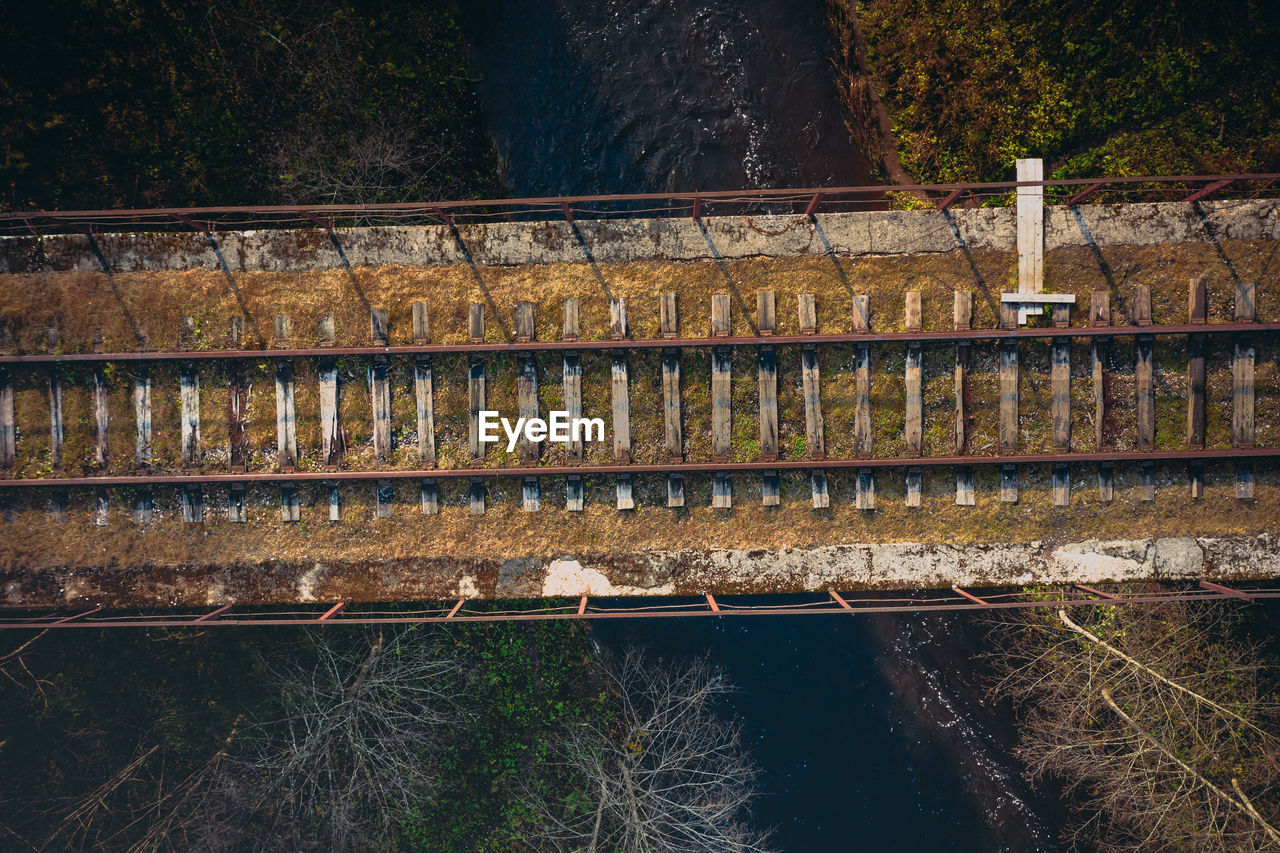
x,y
1030,227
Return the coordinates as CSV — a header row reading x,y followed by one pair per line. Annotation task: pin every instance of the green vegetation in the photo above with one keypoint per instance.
x,y
531,680
1095,88
145,103
84,707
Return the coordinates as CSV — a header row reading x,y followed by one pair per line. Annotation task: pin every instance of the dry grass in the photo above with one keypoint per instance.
x,y
154,302
33,540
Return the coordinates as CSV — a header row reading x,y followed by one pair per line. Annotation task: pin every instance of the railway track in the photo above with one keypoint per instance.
x,y
715,444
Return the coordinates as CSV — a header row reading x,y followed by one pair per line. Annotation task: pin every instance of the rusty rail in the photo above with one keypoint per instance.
x,y
939,336
636,468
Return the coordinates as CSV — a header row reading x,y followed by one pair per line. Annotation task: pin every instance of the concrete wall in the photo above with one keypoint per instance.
x,y
910,565
623,240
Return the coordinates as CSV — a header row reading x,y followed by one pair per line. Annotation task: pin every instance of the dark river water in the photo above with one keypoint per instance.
x,y
614,97
873,732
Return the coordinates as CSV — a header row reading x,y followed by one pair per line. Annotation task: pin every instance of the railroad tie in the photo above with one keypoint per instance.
x,y
1144,374
767,388
237,405
57,430
527,388
189,397
620,392
430,497
335,502
962,319
286,413
1242,393
290,509
8,432
1099,349
384,499
101,418
572,372
913,381
380,385
331,444
672,426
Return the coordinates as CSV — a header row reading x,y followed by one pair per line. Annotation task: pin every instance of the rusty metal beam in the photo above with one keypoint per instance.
x,y
122,216
865,605
829,464
1212,188
1224,590
1085,193
332,611
64,620
813,204
939,336
209,617
582,605
191,223
969,596
951,198
1096,592
839,600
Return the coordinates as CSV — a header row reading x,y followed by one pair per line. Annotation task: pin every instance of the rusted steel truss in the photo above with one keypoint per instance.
x,y
808,200
342,613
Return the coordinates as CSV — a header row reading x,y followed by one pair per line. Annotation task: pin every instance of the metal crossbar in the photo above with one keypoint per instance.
x,y
342,613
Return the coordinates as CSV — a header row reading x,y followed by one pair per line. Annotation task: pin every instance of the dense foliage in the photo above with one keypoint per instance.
x,y
1135,87
142,103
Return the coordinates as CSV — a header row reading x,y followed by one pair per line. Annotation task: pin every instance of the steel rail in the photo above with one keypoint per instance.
x,y
744,195
891,462
939,336
845,605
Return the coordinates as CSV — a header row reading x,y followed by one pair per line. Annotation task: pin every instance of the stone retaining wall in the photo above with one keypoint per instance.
x,y
627,240
908,565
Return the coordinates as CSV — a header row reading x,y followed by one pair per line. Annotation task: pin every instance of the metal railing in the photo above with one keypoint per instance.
x,y
694,205
595,607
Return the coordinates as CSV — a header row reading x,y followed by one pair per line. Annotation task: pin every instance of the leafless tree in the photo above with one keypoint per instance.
x,y
329,143
351,752
668,773
379,161
1158,720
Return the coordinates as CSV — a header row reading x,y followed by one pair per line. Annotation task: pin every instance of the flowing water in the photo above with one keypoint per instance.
x,y
873,732
614,97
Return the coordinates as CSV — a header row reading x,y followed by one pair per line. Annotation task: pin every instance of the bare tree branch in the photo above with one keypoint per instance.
x,y
352,752
1169,753
668,775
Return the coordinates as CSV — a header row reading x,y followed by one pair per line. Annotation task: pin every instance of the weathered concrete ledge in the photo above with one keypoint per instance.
x,y
628,240
908,565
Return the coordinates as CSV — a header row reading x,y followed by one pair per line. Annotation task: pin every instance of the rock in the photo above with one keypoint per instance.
x,y
1094,560
1178,557
567,577
519,578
